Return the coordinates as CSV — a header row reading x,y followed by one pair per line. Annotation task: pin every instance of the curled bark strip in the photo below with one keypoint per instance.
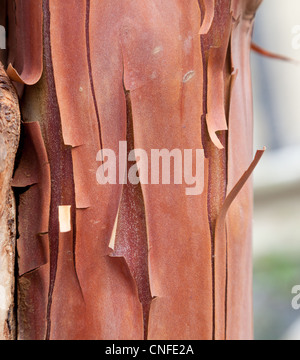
x,y
32,181
240,155
271,55
221,243
26,48
9,138
34,172
216,116
209,6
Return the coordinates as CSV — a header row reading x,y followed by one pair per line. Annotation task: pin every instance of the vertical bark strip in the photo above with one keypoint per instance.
x,y
88,49
133,261
25,42
240,155
9,138
216,155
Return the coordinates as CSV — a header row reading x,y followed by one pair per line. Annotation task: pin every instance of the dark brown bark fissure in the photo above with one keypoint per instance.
x,y
228,85
205,139
131,235
61,166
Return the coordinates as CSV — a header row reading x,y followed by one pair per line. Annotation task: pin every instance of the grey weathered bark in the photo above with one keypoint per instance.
x,y
9,139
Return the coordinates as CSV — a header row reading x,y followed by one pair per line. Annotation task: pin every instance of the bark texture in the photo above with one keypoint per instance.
x,y
9,139
139,261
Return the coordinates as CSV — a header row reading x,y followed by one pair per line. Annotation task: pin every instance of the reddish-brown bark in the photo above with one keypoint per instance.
x,y
139,261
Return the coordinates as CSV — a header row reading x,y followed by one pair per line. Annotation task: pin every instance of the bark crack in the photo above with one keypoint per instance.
x,y
88,48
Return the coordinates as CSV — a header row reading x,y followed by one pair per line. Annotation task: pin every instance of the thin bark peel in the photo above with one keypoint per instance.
x,y
25,41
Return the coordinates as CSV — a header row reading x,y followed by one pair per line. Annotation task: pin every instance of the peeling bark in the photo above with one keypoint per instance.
x,y
133,262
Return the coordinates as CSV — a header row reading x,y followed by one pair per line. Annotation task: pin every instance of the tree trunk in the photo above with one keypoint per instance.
x,y
9,139
130,260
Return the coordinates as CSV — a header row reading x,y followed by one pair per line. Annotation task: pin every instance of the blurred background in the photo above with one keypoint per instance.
x,y
277,178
